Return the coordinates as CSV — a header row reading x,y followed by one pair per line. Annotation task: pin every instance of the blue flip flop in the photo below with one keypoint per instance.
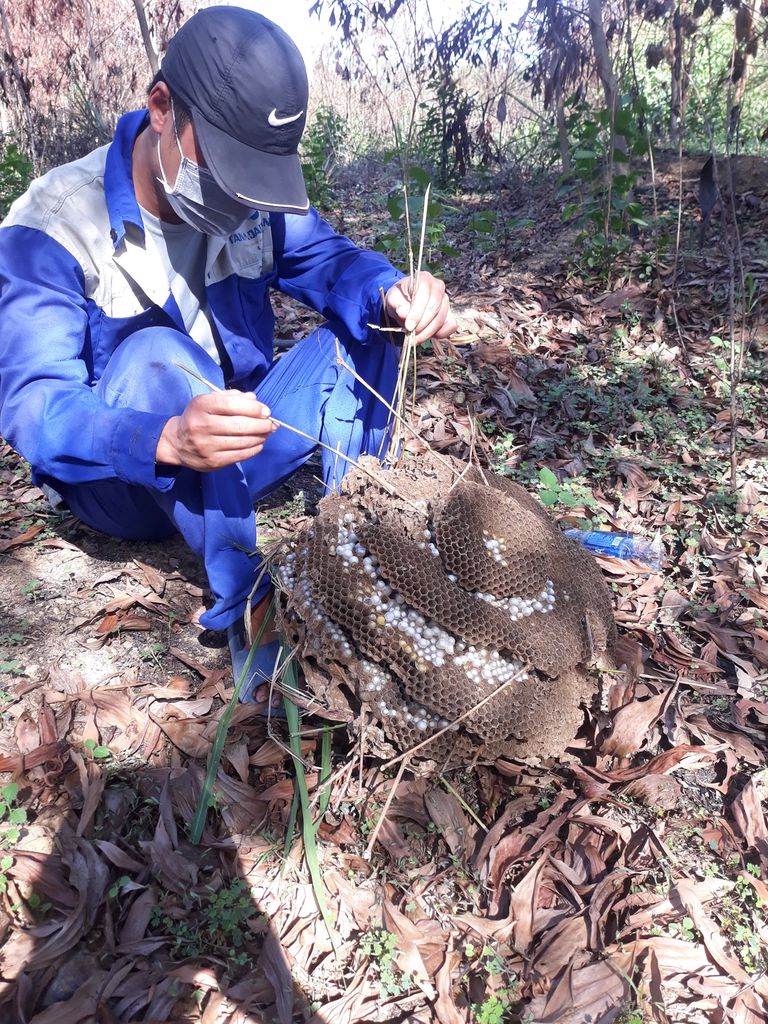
x,y
262,663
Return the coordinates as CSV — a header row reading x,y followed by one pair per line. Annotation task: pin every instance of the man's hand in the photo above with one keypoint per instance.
x,y
215,430
426,310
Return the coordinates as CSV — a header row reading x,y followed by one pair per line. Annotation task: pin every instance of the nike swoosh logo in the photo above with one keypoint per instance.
x,y
277,121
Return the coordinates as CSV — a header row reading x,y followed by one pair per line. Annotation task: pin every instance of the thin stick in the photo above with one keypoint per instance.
x,y
466,714
409,236
196,375
463,802
295,430
409,346
423,231
331,781
385,808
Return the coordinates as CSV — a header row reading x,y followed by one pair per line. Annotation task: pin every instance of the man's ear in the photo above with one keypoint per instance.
x,y
159,106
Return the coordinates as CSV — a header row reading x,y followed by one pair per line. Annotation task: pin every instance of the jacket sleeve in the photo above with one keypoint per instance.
x,y
330,273
48,410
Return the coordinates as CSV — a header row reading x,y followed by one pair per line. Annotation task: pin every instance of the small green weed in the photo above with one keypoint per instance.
x,y
11,817
11,639
683,929
738,913
604,203
31,590
553,492
96,751
12,667
218,923
497,1005
394,242
631,1017
380,946
494,1008
154,653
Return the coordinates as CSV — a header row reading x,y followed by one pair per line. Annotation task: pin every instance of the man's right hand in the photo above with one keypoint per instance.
x,y
215,430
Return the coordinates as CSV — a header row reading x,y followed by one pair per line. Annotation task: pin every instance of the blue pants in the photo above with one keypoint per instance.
x,y
213,511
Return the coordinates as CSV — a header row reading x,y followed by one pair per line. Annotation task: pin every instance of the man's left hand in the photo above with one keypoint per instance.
x,y
424,310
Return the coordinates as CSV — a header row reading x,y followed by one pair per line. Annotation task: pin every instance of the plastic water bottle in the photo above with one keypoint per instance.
x,y
621,545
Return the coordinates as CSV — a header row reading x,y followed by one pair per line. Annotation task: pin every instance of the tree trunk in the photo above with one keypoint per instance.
x,y
562,130
604,67
744,29
676,76
146,36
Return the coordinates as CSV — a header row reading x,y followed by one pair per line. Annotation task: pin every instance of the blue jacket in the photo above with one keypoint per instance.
x,y
76,280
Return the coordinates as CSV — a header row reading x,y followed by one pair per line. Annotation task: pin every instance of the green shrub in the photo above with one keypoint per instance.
x,y
15,175
321,148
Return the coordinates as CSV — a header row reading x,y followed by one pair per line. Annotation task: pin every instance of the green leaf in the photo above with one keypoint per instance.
x,y
214,758
308,828
395,207
548,478
419,175
583,155
549,497
326,765
90,745
623,122
6,863
17,816
102,752
10,792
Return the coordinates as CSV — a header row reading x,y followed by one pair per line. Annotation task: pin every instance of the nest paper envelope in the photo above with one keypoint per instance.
x,y
418,591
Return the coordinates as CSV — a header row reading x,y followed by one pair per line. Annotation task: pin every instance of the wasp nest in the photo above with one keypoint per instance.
x,y
419,591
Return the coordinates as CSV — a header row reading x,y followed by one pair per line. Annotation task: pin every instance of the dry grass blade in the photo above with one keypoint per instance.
x,y
401,420
408,353
385,808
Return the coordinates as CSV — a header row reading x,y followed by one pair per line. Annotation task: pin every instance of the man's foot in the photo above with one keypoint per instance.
x,y
256,689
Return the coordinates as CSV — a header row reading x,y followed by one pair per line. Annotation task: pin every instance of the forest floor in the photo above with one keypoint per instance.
x,y
625,881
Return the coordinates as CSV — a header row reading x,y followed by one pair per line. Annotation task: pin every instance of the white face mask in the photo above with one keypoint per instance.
x,y
196,197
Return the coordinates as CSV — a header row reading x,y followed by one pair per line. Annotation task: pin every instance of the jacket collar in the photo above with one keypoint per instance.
x,y
118,177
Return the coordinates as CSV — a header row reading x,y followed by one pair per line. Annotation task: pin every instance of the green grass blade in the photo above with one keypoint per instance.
x,y
307,825
290,830
325,774
204,800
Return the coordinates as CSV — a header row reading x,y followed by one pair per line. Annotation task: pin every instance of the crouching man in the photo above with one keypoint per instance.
x,y
161,249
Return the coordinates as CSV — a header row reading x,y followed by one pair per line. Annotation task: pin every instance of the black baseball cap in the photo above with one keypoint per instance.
x,y
244,82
